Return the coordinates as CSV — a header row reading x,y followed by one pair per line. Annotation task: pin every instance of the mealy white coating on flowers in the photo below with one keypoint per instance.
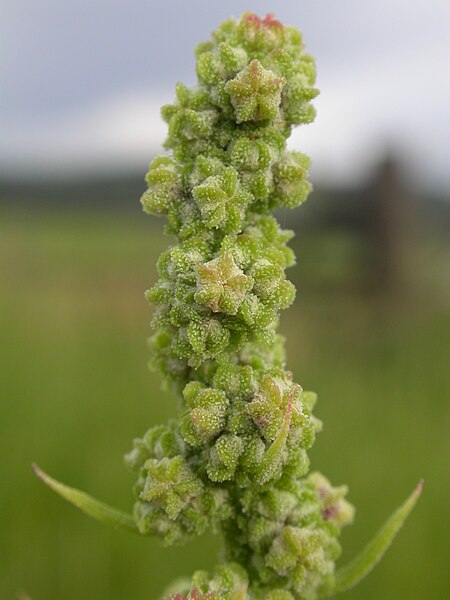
x,y
236,458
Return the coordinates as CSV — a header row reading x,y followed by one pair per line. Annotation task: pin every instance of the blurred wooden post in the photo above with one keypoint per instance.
x,y
391,228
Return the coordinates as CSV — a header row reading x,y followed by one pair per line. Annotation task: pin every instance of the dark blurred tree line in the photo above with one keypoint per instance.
x,y
386,216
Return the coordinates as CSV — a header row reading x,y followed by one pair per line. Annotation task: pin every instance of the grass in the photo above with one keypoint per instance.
x,y
75,390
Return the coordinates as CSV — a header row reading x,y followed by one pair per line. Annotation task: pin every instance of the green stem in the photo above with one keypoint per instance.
x,y
352,573
94,508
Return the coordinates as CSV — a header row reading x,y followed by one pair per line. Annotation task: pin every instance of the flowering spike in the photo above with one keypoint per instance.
x,y
236,459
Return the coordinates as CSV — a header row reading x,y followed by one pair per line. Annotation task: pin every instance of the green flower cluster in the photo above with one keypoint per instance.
x,y
236,459
228,583
286,534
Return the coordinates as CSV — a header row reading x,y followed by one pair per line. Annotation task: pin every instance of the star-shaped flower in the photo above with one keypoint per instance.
x,y
255,93
205,417
222,201
171,484
221,285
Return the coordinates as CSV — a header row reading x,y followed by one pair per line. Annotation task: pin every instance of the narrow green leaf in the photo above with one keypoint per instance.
x,y
352,573
94,508
272,456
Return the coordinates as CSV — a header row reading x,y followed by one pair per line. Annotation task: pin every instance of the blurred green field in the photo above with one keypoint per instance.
x,y
75,390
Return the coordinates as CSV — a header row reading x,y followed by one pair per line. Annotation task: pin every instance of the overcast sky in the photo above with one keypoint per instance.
x,y
82,80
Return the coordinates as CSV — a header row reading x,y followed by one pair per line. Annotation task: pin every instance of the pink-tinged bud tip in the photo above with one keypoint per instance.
x,y
268,21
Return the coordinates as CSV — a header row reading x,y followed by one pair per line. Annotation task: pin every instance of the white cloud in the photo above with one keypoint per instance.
x,y
363,108
382,72
401,104
120,132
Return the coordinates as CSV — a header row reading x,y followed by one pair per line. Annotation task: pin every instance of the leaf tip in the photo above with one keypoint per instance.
x,y
349,575
419,487
38,471
45,478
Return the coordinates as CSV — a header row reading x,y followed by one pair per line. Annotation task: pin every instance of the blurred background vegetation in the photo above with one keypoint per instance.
x,y
82,82
367,331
